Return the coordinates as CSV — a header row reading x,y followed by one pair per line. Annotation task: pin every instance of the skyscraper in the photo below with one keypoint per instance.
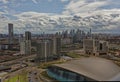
x,y
56,45
10,35
44,50
27,35
90,33
27,43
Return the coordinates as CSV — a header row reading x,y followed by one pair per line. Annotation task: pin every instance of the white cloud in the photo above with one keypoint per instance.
x,y
2,13
4,1
35,1
83,6
88,7
64,0
89,10
25,15
42,22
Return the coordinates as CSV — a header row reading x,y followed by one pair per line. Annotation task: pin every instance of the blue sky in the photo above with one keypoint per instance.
x,y
57,6
21,11
41,6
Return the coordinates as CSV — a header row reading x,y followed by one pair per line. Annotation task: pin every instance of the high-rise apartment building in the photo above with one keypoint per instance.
x,y
44,50
27,35
56,45
22,47
48,49
10,35
27,43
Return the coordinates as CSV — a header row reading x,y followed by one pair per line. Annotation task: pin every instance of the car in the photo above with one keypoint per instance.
x,y
35,73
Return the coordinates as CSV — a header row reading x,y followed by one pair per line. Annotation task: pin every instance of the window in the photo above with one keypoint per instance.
x,y
80,78
65,75
101,46
72,76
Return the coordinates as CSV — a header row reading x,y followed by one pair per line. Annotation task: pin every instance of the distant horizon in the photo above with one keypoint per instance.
x,y
111,33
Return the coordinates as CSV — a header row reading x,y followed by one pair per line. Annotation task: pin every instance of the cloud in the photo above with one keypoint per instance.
x,y
90,6
43,22
101,15
4,1
83,6
35,1
64,0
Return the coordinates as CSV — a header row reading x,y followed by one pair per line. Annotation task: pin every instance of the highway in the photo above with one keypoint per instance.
x,y
17,60
33,72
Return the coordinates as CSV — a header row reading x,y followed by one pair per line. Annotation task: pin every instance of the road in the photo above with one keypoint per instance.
x,y
33,75
13,73
17,60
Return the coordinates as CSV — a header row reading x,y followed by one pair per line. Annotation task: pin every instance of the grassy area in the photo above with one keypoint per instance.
x,y
46,64
73,55
21,77
117,62
44,74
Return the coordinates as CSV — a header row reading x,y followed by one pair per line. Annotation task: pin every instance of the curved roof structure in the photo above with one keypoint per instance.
x,y
99,69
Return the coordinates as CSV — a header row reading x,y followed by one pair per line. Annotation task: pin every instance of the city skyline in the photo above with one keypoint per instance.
x,y
59,40
51,15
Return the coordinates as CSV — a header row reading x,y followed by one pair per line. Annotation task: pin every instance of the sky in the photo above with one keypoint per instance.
x,y
17,9
57,6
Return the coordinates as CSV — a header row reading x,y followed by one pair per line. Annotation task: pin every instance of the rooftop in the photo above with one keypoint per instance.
x,y
99,69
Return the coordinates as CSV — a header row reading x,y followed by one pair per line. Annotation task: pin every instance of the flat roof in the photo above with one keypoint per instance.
x,y
99,69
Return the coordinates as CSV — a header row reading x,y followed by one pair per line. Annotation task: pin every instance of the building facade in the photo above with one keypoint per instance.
x,y
25,44
22,47
56,42
95,47
64,75
85,69
10,35
44,50
48,49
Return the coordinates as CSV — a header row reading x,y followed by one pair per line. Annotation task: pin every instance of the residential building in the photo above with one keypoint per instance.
x,y
44,50
10,35
22,47
48,48
95,47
